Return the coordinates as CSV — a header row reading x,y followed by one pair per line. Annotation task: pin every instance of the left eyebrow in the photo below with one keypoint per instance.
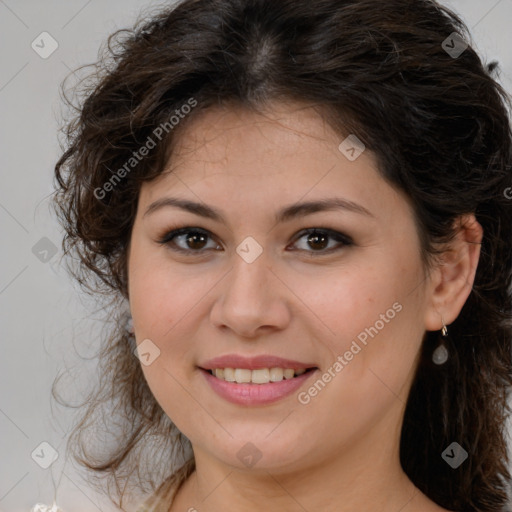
x,y
286,214
329,204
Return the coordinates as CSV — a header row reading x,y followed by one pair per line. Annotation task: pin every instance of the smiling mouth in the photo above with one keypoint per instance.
x,y
259,376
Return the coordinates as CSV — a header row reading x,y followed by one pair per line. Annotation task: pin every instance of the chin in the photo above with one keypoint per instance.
x,y
260,452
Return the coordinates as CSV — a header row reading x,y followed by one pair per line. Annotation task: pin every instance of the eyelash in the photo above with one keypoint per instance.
x,y
168,239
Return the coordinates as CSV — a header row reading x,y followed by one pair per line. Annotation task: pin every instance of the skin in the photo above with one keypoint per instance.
x,y
339,452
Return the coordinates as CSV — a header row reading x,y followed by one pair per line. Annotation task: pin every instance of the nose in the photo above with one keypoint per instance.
x,y
252,300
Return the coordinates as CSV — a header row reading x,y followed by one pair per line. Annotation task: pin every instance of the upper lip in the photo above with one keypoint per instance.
x,y
253,363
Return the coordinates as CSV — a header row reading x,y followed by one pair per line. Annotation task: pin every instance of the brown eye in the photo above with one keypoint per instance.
x,y
195,240
187,240
318,240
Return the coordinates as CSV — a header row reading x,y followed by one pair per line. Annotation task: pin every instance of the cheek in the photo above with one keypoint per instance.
x,y
370,315
161,303
374,326
160,294
167,303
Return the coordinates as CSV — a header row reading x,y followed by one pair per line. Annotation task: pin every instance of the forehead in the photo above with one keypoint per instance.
x,y
234,156
239,133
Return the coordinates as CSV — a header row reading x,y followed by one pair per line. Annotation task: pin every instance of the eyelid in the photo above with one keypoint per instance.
x,y
169,235
331,233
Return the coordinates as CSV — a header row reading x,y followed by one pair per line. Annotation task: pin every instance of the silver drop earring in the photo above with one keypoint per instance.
x,y
440,354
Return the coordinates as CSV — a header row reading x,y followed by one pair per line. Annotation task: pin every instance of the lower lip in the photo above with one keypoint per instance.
x,y
255,394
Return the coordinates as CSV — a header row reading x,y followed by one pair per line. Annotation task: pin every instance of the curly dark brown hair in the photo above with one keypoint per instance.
x,y
439,127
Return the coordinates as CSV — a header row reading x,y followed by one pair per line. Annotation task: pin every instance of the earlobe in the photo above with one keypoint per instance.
x,y
455,274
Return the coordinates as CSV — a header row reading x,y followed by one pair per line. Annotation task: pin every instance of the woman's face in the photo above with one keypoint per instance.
x,y
253,283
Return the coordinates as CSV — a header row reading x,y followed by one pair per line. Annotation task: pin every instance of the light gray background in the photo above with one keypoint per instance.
x,y
42,312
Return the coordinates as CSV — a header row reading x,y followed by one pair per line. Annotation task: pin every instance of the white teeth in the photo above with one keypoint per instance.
x,y
276,374
242,375
259,376
288,373
229,374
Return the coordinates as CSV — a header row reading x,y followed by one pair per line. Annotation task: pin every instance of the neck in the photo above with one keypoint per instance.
x,y
361,476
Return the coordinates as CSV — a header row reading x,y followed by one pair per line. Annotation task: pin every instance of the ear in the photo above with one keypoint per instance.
x,y
452,279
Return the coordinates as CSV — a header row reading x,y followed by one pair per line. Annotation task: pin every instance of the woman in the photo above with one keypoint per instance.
x,y
305,207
